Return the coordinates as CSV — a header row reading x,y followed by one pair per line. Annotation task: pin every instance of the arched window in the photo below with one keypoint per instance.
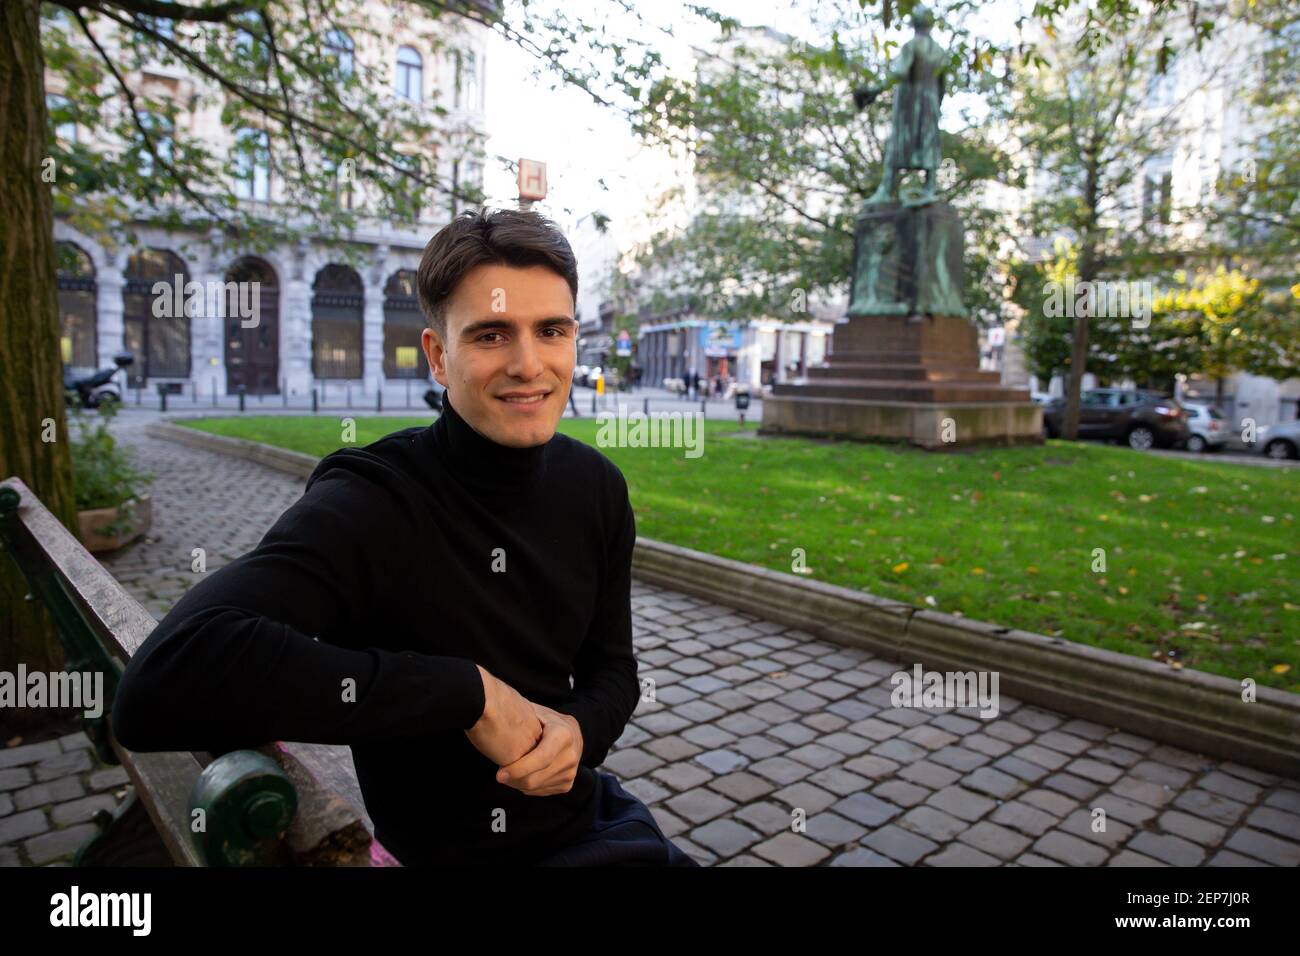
x,y
77,310
341,48
410,74
252,328
156,326
403,323
337,318
252,162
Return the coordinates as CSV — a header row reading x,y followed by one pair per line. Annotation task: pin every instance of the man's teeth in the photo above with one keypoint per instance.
x,y
526,401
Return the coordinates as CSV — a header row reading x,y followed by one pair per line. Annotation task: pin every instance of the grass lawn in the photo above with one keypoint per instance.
x,y
1200,556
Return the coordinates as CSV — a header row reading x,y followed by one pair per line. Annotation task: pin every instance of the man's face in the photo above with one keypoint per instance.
x,y
511,336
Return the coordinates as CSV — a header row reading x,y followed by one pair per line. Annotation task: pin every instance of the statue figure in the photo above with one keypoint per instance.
x,y
914,137
876,253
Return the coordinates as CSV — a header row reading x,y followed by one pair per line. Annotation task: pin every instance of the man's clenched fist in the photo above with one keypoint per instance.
x,y
551,766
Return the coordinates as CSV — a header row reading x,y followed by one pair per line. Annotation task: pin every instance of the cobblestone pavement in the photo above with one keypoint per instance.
x,y
49,791
755,726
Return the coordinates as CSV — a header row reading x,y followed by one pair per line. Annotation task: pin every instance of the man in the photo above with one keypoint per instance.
x,y
451,601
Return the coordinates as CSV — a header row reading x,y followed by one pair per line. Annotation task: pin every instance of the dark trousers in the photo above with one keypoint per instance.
x,y
623,833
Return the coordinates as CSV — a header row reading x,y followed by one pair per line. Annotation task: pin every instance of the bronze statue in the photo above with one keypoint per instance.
x,y
914,137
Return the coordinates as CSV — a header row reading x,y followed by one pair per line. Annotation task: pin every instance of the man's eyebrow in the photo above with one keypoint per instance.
x,y
493,325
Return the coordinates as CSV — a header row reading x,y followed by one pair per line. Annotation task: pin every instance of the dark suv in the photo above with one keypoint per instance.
x,y
1141,418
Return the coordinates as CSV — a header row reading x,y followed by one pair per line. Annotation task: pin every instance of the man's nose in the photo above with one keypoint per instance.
x,y
525,360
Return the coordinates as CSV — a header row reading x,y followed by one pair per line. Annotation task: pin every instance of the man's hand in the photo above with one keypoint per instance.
x,y
509,727
551,766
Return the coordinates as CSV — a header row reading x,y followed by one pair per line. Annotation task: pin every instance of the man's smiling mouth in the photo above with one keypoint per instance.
x,y
524,399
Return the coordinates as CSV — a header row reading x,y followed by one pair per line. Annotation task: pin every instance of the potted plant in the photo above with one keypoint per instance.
x,y
113,508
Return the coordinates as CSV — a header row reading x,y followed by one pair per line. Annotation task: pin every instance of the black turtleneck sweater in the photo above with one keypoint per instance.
x,y
404,564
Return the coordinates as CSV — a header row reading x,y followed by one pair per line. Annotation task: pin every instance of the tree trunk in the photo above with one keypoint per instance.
x,y
31,388
1078,362
1087,273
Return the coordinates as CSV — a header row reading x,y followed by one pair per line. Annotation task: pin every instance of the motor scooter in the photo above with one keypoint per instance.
x,y
99,388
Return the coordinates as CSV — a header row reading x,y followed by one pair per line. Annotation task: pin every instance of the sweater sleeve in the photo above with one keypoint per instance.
x,y
605,689
273,645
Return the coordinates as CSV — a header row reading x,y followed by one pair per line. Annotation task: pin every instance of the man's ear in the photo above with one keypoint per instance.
x,y
435,354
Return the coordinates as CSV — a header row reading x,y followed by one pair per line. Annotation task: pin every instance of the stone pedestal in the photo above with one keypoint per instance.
x,y
905,365
907,261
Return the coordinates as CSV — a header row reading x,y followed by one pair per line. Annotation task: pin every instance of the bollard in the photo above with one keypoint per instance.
x,y
408,393
214,393
315,404
284,393
162,397
646,407
194,391
349,391
243,392
137,393
379,399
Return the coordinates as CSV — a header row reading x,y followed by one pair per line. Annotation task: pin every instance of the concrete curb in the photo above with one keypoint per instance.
x,y
294,462
1187,708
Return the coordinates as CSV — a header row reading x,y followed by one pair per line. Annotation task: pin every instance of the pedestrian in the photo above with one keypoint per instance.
x,y
572,403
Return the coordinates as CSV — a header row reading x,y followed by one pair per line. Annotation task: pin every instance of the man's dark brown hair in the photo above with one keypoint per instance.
x,y
507,237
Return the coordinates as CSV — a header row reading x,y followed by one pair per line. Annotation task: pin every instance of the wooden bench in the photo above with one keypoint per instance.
x,y
260,807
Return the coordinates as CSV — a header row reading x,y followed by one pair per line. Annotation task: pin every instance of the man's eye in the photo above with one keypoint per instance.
x,y
486,334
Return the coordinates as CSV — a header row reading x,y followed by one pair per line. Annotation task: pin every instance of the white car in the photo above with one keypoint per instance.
x,y
1279,441
1209,427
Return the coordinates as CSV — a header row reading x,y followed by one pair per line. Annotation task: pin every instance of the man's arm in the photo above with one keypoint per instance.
x,y
236,663
605,689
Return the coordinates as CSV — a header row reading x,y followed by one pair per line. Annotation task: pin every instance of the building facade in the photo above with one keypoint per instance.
x,y
324,318
756,353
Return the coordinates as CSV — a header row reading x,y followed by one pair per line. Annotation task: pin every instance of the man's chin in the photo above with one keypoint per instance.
x,y
524,434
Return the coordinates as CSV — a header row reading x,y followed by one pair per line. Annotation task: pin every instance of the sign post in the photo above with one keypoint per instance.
x,y
531,181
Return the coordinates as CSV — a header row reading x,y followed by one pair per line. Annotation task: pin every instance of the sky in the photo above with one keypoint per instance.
x,y
583,143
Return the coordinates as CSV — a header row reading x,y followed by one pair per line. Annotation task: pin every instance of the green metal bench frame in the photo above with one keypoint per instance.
x,y
259,807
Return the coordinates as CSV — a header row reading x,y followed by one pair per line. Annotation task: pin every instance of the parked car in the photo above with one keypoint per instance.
x,y
1279,441
1143,419
1208,425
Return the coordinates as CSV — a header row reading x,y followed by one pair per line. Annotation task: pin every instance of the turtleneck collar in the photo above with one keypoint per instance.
x,y
481,464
